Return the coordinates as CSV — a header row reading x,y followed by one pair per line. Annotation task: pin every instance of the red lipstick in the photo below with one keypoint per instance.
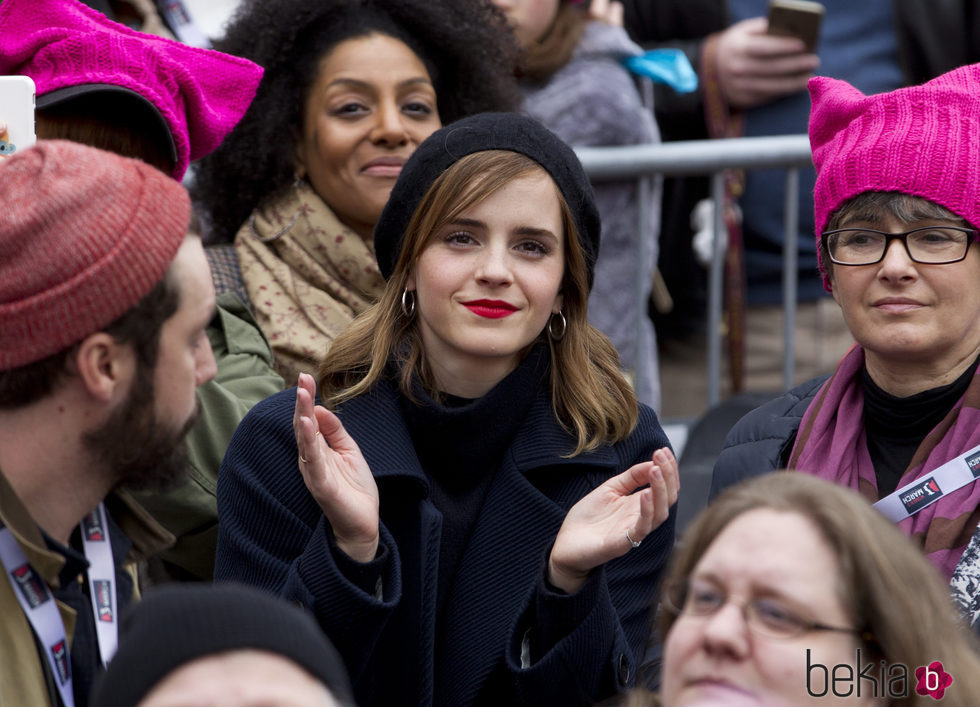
x,y
490,308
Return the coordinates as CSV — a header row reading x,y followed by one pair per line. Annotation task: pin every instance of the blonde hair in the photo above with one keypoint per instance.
x,y
885,583
589,395
540,61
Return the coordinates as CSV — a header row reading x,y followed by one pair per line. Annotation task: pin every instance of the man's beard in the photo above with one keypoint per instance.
x,y
140,451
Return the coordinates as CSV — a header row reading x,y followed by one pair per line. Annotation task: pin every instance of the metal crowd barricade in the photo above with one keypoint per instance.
x,y
712,157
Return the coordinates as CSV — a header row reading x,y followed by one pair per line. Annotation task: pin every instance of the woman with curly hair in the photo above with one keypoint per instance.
x,y
351,87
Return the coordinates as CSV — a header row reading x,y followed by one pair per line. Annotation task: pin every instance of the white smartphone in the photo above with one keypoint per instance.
x,y
796,18
16,114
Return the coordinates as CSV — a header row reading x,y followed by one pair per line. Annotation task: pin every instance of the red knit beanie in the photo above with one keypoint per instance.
x,y
84,234
921,140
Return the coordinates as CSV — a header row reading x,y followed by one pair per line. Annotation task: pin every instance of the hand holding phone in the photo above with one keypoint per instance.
x,y
796,18
16,114
755,67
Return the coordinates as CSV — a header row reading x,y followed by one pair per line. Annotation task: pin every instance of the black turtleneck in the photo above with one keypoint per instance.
x,y
895,427
460,444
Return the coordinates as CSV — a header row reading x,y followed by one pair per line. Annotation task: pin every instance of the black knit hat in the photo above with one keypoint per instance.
x,y
179,623
477,133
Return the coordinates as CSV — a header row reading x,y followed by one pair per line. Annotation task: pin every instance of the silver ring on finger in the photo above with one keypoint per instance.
x,y
633,543
304,459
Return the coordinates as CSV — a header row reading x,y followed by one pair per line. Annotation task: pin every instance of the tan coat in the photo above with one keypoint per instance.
x,y
23,676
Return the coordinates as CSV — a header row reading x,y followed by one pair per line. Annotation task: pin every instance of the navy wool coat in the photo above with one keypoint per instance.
x,y
585,646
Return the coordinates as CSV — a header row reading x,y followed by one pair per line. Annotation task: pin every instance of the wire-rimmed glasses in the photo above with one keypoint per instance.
x,y
767,616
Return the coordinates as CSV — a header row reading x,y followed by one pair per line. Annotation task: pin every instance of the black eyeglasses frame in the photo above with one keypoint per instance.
x,y
903,237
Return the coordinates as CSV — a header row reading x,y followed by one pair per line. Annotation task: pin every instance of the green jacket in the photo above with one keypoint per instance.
x,y
245,376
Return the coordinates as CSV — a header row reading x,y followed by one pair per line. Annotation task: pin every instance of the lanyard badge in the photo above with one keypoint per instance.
x,y
41,610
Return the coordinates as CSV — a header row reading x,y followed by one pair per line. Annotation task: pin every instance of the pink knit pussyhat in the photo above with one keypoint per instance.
x,y
200,93
921,140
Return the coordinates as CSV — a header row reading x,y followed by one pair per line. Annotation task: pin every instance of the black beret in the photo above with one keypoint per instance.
x,y
477,133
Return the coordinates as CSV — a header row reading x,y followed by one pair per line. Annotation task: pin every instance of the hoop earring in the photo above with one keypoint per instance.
x,y
408,302
551,326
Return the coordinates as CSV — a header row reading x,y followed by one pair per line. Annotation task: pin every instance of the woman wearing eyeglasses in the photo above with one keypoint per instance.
x,y
896,208
786,579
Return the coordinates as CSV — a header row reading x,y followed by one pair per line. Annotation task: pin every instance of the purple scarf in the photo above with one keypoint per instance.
x,y
831,444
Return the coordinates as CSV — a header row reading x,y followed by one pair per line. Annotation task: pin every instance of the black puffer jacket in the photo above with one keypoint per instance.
x,y
762,440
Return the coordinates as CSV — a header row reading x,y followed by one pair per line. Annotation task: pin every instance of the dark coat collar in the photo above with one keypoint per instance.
x,y
376,422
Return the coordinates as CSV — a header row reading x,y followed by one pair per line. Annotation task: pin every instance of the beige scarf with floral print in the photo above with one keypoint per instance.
x,y
307,274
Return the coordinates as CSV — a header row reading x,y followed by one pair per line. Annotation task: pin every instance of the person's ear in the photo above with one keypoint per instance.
x,y
299,167
559,301
104,366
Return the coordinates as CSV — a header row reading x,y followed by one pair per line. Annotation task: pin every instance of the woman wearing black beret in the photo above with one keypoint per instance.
x,y
481,508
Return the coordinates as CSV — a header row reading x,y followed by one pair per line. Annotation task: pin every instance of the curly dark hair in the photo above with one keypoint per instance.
x,y
466,46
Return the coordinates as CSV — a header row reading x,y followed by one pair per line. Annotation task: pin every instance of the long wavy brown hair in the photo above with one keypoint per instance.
x,y
589,394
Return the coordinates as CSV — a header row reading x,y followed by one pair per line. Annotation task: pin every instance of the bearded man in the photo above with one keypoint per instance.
x,y
104,303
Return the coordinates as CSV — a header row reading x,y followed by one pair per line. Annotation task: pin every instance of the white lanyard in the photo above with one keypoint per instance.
x,y
39,607
926,490
101,581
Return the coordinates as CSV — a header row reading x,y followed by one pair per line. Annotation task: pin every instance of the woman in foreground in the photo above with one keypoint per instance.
x,y
790,590
468,522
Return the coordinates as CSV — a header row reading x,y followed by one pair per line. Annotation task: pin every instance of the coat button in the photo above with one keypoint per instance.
x,y
624,670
